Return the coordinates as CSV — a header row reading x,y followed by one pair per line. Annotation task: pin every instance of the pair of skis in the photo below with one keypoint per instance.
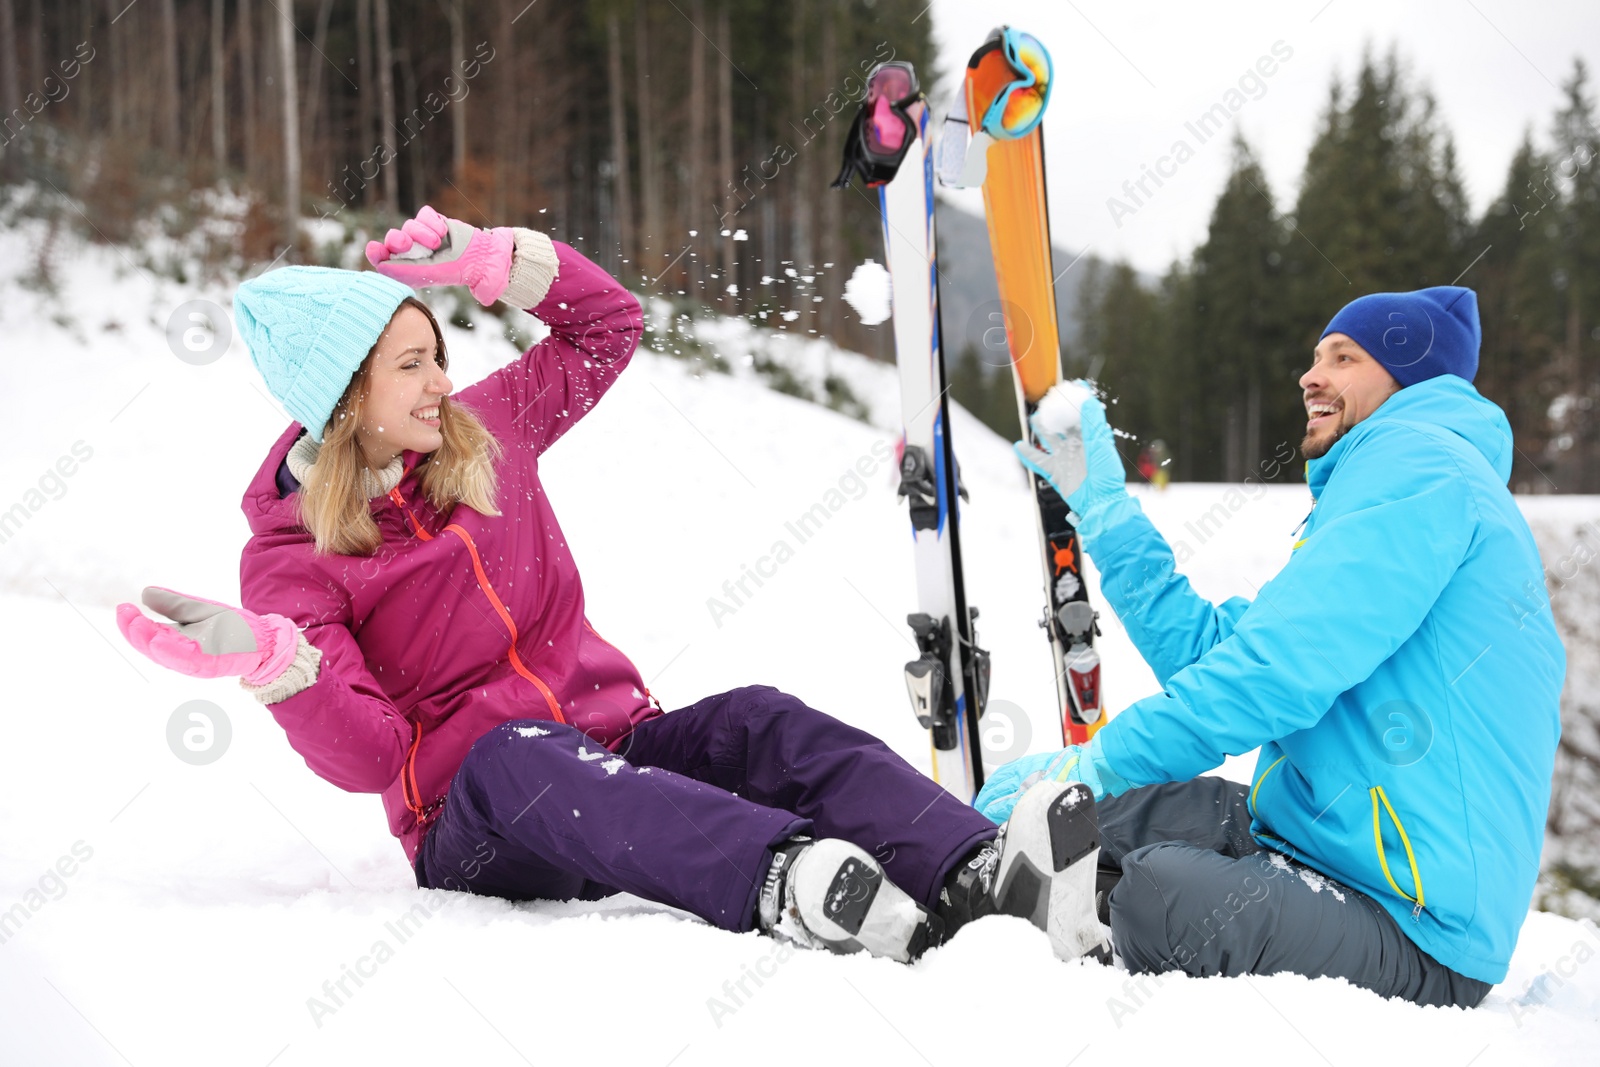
x,y
948,682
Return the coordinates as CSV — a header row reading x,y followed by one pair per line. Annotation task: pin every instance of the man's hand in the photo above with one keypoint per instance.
x,y
1079,458
1075,763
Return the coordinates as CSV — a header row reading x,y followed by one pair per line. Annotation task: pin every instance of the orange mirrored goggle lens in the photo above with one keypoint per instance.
x,y
1031,54
1023,107
992,76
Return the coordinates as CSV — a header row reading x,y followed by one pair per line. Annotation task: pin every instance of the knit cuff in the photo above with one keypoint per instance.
x,y
297,676
533,269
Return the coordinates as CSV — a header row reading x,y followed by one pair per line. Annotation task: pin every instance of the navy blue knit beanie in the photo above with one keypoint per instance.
x,y
1417,335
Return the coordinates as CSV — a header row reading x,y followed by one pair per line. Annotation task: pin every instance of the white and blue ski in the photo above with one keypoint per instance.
x,y
948,682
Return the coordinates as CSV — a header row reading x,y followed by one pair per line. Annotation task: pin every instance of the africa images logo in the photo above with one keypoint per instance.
x,y
1402,330
1403,732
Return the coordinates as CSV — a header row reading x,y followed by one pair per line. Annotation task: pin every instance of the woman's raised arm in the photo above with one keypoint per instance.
x,y
595,323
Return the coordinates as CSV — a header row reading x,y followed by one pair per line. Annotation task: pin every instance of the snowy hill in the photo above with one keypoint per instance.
x,y
246,912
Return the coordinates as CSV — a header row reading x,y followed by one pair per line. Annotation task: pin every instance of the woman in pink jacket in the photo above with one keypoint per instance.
x,y
413,619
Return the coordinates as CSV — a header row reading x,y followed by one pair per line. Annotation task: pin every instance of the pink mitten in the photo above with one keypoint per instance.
x,y
211,640
434,250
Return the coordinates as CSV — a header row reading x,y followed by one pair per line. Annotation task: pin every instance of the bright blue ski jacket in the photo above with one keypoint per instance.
x,y
1402,676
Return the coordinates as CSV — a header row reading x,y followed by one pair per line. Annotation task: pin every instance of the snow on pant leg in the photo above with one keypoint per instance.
x,y
1179,907
774,749
537,810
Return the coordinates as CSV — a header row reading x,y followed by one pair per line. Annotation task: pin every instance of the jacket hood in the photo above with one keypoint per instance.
x,y
1446,404
262,507
265,510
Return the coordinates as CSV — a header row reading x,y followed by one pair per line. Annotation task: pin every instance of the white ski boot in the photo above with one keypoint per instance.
x,y
832,895
1048,852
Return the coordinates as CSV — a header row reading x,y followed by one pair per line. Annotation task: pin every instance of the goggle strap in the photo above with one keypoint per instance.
x,y
953,143
852,156
996,44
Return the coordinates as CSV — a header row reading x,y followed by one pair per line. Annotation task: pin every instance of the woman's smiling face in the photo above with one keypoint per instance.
x,y
405,382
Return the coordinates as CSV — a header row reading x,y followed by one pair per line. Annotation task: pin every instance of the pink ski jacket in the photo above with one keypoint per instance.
x,y
460,621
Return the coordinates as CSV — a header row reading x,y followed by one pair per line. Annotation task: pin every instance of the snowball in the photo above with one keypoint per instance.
x,y
1060,410
869,293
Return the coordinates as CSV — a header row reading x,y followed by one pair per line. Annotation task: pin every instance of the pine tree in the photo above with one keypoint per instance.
x,y
1172,409
1380,205
1246,363
1119,345
1577,278
1520,309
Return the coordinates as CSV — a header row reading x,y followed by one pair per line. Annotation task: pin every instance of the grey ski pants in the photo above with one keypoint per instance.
x,y
1194,892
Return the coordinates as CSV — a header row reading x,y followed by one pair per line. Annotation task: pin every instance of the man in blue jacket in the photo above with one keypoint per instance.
x,y
1401,676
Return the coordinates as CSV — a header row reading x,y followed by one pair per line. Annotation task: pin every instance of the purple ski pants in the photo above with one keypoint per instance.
x,y
688,808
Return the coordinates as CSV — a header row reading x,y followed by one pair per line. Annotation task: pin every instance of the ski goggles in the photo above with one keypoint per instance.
x,y
887,129
1012,71
883,129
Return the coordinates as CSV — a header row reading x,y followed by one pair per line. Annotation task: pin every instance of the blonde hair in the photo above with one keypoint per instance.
x,y
334,506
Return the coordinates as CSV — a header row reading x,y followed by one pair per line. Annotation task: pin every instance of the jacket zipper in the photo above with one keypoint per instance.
x,y
1251,805
408,781
1378,795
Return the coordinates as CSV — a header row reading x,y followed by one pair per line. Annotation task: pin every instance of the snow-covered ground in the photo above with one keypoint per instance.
x,y
156,912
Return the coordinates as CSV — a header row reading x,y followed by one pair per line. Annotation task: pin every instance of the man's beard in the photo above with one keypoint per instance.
x,y
1315,447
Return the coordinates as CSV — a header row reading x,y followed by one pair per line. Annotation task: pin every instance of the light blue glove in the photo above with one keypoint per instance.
x,y
1075,763
1081,462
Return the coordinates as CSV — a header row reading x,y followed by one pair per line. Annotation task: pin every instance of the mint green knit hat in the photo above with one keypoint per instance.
x,y
309,329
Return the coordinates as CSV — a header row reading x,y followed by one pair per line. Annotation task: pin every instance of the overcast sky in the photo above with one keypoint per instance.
x,y
1130,75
